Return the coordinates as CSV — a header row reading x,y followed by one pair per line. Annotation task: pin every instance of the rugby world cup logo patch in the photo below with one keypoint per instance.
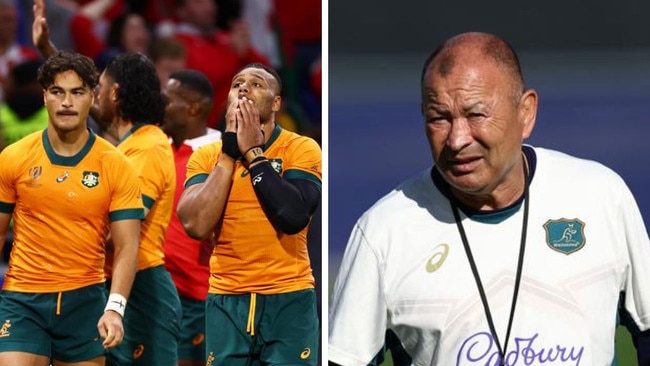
x,y
565,235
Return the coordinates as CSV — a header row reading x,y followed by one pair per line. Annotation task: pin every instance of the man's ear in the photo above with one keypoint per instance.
x,y
277,103
528,112
114,89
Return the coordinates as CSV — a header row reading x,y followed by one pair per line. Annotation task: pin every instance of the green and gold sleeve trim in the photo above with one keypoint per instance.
x,y
148,201
7,207
301,174
199,178
127,214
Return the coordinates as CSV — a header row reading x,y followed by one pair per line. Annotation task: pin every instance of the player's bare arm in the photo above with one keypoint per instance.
x,y
289,204
201,206
125,236
5,218
41,31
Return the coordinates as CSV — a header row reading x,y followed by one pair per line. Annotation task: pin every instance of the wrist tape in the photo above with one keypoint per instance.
x,y
116,303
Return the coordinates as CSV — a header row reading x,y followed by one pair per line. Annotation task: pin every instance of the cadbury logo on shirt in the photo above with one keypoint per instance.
x,y
480,349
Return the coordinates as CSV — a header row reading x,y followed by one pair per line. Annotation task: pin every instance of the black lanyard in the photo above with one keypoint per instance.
x,y
520,264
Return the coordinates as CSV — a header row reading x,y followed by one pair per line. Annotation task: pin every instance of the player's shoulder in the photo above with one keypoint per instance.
x,y
208,150
25,144
107,152
293,141
18,153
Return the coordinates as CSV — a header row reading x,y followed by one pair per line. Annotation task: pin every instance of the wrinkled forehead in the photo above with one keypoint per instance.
x,y
253,72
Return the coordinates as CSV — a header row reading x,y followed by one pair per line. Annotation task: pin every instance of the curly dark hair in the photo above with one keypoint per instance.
x,y
63,61
139,96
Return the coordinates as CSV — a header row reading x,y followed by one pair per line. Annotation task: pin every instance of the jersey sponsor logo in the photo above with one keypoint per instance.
x,y
90,179
438,258
34,174
565,235
276,164
198,339
480,349
138,351
305,353
4,331
62,177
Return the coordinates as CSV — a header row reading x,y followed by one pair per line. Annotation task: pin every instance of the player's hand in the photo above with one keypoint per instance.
x,y
40,30
231,116
111,329
249,128
229,138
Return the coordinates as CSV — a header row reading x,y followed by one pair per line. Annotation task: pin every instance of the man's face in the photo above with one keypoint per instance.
x,y
135,35
260,87
68,102
177,108
106,101
474,124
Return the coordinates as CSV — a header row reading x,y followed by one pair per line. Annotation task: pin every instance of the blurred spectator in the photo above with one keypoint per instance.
x,y
23,111
259,14
11,52
168,55
217,54
299,23
127,32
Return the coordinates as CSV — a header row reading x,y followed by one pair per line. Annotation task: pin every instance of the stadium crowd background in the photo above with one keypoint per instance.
x,y
216,37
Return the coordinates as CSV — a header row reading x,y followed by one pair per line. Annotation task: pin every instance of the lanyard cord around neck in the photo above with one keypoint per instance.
x,y
520,264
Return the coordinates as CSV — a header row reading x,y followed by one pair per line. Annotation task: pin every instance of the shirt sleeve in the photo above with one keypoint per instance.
x,y
202,162
358,314
637,291
7,181
149,167
126,202
306,162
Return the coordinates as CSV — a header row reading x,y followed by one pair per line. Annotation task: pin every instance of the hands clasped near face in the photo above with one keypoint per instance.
x,y
243,118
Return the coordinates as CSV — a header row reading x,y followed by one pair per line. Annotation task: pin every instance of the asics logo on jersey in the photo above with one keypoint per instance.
x,y
62,177
438,258
481,349
4,331
564,235
305,353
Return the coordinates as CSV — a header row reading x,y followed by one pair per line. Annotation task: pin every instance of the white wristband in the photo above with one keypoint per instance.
x,y
117,303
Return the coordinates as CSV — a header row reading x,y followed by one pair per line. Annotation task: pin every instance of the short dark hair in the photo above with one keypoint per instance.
x,y
268,69
194,80
63,61
493,47
139,96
